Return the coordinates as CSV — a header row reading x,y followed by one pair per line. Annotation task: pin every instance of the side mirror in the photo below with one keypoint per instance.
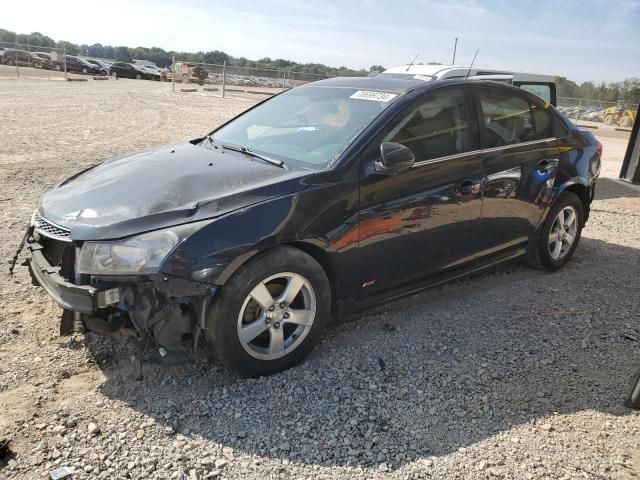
x,y
394,158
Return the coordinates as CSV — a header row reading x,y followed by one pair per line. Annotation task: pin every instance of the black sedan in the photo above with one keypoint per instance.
x,y
324,200
80,65
128,70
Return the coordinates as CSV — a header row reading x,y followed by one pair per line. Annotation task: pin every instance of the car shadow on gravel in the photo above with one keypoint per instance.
x,y
430,374
607,188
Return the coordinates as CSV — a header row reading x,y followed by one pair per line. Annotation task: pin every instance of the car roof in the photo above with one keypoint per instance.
x,y
403,86
391,85
451,71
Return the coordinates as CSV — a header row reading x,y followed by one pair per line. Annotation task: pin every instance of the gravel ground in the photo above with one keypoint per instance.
x,y
513,373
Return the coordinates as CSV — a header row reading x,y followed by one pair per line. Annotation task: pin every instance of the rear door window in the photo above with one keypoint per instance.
x,y
506,118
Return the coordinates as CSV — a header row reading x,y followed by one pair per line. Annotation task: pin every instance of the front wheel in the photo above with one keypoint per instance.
x,y
84,70
558,238
270,313
138,76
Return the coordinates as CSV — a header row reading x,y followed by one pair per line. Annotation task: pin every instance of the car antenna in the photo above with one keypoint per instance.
x,y
455,47
472,62
411,64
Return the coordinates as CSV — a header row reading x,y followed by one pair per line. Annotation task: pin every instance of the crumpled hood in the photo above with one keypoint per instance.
x,y
162,187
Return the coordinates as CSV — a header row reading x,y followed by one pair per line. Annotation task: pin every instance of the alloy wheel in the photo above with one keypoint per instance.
x,y
276,316
563,232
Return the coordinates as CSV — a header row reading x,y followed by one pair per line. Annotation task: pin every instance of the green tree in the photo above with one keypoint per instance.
x,y
96,50
376,68
7,36
122,54
215,57
70,48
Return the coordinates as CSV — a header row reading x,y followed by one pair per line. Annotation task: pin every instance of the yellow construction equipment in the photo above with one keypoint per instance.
x,y
619,116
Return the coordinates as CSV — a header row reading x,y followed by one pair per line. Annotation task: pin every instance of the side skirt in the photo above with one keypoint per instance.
x,y
433,280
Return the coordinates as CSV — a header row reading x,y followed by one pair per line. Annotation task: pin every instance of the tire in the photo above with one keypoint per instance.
x,y
57,68
138,76
84,70
185,78
234,307
543,253
11,62
626,122
37,65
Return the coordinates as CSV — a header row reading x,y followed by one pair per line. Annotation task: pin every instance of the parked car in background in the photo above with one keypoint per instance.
x,y
321,201
152,73
100,64
41,60
542,85
2,49
80,65
13,56
128,70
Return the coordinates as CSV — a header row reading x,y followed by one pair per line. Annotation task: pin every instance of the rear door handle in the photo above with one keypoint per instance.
x,y
467,188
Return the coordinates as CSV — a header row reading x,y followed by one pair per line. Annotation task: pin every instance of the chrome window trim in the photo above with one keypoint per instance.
x,y
521,144
445,158
475,152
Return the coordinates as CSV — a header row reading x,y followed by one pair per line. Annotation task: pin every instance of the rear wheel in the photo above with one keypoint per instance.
x,y
85,70
270,313
558,238
138,76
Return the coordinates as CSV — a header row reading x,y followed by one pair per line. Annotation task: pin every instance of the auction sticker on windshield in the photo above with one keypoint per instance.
x,y
375,96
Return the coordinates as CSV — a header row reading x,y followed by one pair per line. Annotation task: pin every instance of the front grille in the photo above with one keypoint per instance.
x,y
48,229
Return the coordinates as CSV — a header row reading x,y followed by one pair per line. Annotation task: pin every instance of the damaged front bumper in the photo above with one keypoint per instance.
x,y
82,299
169,310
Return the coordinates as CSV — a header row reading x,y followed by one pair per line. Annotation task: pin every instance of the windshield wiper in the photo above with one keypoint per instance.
x,y
251,153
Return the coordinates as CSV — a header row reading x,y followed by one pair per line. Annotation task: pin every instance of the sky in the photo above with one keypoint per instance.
x,y
582,40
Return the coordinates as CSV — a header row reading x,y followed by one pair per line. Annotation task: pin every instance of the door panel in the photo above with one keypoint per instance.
x,y
425,219
516,191
520,163
419,222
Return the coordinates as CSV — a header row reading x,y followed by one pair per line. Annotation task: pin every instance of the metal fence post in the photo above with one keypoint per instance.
x,y
224,77
17,69
64,59
173,73
284,79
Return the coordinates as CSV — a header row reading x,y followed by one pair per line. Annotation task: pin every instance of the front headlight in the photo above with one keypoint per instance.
x,y
136,255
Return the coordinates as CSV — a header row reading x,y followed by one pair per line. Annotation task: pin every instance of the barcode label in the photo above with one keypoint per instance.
x,y
374,96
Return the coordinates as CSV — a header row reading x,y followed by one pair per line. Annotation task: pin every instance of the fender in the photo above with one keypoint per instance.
x,y
216,251
555,193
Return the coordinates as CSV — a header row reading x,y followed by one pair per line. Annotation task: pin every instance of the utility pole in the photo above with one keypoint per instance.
x,y
173,73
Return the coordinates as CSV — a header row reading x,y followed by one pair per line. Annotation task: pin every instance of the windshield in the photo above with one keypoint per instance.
x,y
308,126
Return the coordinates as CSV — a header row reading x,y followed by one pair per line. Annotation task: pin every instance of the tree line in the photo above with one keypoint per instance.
x,y
162,58
626,91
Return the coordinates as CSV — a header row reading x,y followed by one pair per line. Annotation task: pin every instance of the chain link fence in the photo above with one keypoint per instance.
x,y
621,114
229,78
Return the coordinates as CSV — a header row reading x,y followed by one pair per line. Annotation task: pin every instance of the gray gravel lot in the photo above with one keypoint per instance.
x,y
513,373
